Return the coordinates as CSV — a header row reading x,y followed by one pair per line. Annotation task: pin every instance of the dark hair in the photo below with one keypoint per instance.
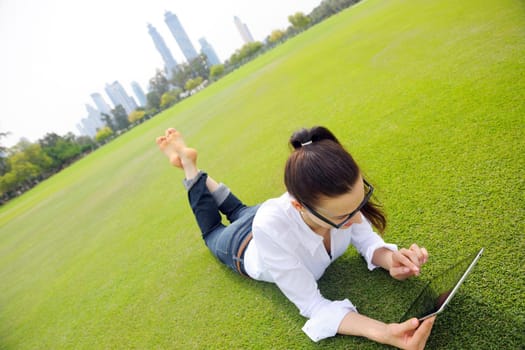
x,y
320,166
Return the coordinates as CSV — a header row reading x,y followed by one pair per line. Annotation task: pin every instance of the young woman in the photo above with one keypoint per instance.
x,y
291,240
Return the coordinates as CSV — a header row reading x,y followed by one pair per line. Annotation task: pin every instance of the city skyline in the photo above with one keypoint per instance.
x,y
180,35
243,30
53,60
169,62
116,92
118,95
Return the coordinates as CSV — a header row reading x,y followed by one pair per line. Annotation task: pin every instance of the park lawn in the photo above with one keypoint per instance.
x,y
429,98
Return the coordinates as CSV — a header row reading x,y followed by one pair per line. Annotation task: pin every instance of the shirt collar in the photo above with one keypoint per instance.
x,y
304,233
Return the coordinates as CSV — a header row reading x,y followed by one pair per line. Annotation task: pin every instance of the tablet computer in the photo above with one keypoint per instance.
x,y
437,293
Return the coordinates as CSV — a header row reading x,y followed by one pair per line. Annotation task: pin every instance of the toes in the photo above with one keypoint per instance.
x,y
170,131
160,140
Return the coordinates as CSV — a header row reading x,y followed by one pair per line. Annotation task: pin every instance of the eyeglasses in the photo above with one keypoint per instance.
x,y
369,190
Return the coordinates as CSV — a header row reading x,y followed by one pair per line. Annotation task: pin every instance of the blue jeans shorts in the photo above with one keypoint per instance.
x,y
223,241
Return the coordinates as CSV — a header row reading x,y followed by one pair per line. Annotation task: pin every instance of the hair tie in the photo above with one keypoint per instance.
x,y
306,143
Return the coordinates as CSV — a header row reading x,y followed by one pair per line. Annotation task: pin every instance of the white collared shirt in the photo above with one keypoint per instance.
x,y
285,251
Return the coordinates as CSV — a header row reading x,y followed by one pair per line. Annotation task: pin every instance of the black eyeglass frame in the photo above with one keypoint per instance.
x,y
363,203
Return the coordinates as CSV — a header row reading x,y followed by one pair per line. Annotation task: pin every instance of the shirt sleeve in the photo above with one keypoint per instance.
x,y
298,284
366,241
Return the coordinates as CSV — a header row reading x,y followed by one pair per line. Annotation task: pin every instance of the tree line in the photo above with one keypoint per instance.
x,y
26,164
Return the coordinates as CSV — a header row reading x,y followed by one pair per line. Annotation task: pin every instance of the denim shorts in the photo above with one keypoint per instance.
x,y
222,240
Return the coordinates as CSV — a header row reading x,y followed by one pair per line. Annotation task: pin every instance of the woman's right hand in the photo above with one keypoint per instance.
x,y
409,334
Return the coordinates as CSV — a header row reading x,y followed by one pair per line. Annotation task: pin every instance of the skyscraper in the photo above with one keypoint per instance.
x,y
92,123
118,96
101,104
139,93
208,50
180,35
169,62
243,30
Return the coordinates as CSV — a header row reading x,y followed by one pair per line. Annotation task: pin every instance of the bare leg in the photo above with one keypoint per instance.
x,y
181,156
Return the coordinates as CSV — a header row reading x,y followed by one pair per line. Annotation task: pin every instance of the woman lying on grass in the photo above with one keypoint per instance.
x,y
291,240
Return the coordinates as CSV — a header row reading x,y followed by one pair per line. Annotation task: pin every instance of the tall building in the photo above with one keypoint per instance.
x,y
139,93
101,104
169,62
180,35
118,96
92,123
243,30
208,50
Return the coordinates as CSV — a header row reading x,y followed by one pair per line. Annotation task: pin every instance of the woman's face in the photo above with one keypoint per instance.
x,y
337,209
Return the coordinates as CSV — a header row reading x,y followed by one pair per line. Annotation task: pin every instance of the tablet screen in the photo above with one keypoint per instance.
x,y
439,290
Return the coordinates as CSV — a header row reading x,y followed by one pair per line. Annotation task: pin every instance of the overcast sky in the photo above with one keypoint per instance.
x,y
55,53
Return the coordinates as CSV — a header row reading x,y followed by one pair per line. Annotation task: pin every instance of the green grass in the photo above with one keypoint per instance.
x,y
429,98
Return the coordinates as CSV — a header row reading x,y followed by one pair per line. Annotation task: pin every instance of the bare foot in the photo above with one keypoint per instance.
x,y
173,146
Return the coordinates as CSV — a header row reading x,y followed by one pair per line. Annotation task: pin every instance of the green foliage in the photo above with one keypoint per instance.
x,y
216,71
187,71
199,66
136,115
170,98
106,254
299,20
328,8
192,83
153,99
103,134
3,154
245,52
159,84
60,149
24,165
275,36
120,118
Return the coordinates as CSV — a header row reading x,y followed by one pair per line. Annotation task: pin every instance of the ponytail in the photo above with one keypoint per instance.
x,y
319,166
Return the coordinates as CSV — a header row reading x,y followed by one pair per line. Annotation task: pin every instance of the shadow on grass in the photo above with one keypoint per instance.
x,y
467,323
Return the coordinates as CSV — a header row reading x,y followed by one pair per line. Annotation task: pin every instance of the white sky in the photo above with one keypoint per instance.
x,y
55,53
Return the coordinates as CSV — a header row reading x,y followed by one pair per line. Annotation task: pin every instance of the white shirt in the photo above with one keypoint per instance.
x,y
285,251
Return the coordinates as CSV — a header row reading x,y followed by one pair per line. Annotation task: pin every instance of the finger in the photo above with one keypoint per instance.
x,y
425,254
407,258
409,325
423,332
412,256
400,272
421,253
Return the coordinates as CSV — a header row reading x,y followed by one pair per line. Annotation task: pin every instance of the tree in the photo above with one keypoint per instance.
x,y
3,154
216,71
136,115
86,143
199,67
153,99
275,36
159,83
170,98
33,153
26,163
245,52
60,149
103,134
329,7
181,75
108,120
120,116
193,83
298,20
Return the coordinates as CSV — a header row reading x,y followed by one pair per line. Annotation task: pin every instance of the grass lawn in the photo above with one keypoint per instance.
x,y
429,98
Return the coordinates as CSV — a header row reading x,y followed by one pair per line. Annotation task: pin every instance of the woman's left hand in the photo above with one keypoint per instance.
x,y
407,262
